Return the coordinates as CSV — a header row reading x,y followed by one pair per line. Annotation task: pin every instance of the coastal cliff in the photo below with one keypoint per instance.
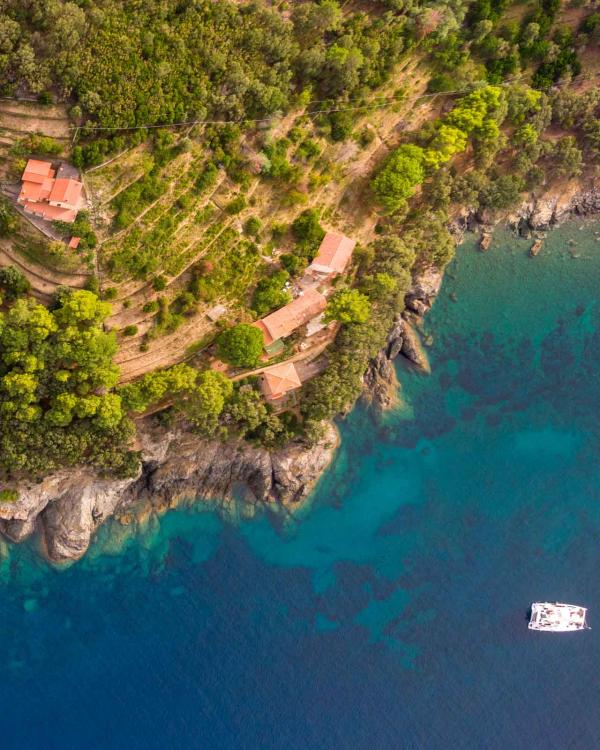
x,y
67,507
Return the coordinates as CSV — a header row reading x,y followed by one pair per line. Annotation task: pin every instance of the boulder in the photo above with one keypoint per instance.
x,y
381,383
413,350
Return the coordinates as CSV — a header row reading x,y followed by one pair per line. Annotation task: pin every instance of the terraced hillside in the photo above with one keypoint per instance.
x,y
191,229
20,118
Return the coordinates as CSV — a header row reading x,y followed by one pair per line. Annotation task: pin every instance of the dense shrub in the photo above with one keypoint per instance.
x,y
270,293
56,404
242,345
14,283
308,232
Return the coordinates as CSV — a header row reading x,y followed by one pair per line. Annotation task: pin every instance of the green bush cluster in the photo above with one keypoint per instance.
x,y
36,143
81,228
57,406
13,283
199,396
339,386
476,116
241,345
250,417
8,218
9,496
308,233
131,201
270,293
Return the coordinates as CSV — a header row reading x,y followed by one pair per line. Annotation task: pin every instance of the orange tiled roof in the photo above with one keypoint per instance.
x,y
66,191
52,213
74,242
334,254
36,191
279,380
299,311
37,171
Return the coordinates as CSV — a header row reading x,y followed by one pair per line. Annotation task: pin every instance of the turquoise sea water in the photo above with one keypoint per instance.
x,y
392,613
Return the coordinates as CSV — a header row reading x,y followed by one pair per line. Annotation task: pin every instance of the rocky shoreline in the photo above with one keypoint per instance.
x,y
66,508
538,213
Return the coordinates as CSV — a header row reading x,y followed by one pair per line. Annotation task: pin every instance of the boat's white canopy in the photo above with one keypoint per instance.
x,y
557,616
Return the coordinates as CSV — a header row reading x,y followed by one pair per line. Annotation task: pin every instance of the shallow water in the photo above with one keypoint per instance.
x,y
392,613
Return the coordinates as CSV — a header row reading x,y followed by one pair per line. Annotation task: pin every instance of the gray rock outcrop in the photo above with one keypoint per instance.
x,y
66,508
425,288
380,382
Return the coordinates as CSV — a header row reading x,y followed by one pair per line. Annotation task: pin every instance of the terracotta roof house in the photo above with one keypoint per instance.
x,y
49,197
37,171
299,311
279,380
334,254
74,242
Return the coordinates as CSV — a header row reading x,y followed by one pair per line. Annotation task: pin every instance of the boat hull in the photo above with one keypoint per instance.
x,y
557,617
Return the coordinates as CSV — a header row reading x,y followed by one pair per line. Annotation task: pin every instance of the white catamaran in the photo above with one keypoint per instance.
x,y
557,617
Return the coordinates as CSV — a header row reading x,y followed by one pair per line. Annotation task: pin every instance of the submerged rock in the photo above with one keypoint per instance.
x,y
485,241
535,248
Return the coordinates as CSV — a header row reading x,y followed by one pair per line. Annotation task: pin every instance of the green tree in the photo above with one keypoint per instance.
x,y
567,158
8,219
379,286
241,345
13,283
247,409
526,135
308,232
270,293
502,192
56,374
402,172
348,306
206,401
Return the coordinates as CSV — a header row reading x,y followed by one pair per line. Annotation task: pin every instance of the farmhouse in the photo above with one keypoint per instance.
x,y
297,313
51,194
278,381
334,255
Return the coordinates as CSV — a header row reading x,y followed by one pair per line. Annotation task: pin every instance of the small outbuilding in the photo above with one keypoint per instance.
x,y
333,255
278,381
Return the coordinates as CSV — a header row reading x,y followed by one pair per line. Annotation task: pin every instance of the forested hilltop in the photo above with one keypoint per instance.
x,y
218,142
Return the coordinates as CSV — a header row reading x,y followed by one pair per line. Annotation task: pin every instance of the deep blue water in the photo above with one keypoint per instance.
x,y
392,613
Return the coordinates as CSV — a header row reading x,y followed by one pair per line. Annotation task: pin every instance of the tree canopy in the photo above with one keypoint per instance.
x,y
348,306
241,345
402,172
56,372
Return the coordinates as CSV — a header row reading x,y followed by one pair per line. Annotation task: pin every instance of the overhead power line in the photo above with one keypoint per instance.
x,y
380,103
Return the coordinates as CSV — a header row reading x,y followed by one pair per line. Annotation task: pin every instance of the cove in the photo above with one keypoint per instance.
x,y
392,612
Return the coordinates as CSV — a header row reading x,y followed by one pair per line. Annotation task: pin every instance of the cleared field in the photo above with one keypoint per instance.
x,y
29,117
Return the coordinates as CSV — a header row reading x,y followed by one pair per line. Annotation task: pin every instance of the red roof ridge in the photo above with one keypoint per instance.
x,y
334,254
296,313
280,379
